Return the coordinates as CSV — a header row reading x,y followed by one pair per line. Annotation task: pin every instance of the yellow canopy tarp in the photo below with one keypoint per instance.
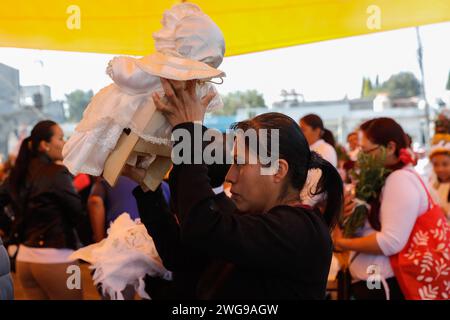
x,y
125,27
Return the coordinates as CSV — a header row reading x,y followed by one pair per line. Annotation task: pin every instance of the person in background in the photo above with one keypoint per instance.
x,y
353,145
83,184
313,129
6,284
47,211
106,203
5,167
393,212
440,182
442,123
328,137
2,173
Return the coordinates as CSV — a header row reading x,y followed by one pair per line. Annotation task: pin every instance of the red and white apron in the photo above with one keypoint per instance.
x,y
422,268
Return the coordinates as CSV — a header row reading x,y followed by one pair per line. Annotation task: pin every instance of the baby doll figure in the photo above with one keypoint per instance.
x,y
189,46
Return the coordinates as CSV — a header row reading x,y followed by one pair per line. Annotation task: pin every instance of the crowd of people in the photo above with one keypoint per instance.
x,y
270,236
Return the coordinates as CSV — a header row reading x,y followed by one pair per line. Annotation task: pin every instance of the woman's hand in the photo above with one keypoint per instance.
x,y
337,237
183,104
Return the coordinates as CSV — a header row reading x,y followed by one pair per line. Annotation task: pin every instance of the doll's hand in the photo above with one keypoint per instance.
x,y
183,104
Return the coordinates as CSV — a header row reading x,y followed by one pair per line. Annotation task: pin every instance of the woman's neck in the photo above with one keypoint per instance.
x,y
288,200
314,141
292,197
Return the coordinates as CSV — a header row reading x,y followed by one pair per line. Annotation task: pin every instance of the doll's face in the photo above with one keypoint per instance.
x,y
441,166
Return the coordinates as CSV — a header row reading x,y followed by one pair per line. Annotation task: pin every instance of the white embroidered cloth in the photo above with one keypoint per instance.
x,y
187,35
123,258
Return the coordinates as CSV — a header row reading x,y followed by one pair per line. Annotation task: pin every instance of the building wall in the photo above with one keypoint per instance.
x,y
9,89
341,118
27,92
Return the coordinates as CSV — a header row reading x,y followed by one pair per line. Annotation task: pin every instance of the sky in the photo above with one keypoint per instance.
x,y
326,70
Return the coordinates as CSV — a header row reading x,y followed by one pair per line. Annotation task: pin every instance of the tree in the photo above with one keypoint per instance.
x,y
367,88
402,85
238,99
78,101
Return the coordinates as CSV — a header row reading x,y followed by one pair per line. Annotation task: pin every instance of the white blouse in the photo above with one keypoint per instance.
x,y
44,255
326,150
403,200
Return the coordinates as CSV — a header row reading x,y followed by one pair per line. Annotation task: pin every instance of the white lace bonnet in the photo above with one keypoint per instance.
x,y
189,46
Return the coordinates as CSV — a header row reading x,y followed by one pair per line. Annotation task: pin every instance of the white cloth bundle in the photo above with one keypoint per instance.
x,y
123,258
189,46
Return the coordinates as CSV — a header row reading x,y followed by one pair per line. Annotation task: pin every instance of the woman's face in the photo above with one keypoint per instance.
x,y
55,145
441,166
251,191
311,135
353,141
368,147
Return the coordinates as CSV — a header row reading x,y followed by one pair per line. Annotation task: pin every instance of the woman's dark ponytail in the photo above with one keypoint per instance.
x,y
18,172
331,184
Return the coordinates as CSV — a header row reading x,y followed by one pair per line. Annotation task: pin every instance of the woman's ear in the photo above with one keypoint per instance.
x,y
44,146
390,148
283,168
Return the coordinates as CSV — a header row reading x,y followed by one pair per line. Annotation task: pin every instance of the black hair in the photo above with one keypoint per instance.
x,y
218,171
29,149
294,148
328,137
314,121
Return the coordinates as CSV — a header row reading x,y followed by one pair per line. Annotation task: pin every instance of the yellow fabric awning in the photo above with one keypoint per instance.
x,y
125,27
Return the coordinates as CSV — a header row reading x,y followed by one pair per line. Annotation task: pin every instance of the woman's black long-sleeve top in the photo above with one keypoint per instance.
x,y
49,209
284,253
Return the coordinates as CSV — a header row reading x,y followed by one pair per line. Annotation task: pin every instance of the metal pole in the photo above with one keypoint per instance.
x,y
422,85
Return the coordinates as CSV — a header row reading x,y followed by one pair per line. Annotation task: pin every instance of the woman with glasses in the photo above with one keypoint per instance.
x,y
392,214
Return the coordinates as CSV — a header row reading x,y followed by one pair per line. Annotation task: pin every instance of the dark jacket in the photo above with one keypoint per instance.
x,y
195,274
282,254
48,208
